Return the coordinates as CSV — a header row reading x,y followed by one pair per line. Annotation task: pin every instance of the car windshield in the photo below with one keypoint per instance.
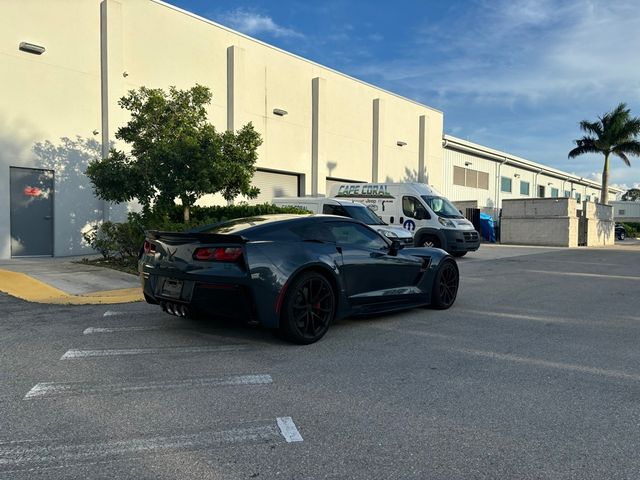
x,y
363,214
442,207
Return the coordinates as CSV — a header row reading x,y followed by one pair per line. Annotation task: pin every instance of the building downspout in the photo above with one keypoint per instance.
x,y
498,183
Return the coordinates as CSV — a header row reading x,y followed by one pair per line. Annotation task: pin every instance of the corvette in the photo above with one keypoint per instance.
x,y
293,273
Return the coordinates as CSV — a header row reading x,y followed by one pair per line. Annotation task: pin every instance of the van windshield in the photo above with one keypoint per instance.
x,y
363,214
442,207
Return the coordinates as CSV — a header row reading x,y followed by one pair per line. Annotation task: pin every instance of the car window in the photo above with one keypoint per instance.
x,y
357,236
411,206
318,232
334,210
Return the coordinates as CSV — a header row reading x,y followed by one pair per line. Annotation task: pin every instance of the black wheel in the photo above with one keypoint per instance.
x,y
429,241
308,309
445,285
458,254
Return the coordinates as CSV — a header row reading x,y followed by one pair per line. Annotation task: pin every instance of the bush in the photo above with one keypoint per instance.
x,y
123,240
632,229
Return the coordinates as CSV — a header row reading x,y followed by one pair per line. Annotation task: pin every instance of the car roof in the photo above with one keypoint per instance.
x,y
246,225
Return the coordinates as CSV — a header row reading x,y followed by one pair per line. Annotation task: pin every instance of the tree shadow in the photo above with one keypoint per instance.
x,y
76,208
410,176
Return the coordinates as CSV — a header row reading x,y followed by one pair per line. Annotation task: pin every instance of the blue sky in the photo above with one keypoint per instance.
x,y
514,75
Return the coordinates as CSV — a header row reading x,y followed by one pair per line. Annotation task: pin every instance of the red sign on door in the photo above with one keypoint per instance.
x,y
32,191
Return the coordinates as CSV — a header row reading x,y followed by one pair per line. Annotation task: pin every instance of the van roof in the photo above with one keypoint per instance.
x,y
318,200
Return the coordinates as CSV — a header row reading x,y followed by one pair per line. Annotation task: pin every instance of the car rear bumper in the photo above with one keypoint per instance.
x,y
206,296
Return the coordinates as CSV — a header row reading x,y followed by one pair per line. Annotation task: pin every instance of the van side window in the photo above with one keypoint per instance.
x,y
412,207
334,210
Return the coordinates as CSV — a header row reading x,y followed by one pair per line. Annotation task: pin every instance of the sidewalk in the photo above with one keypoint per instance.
x,y
61,281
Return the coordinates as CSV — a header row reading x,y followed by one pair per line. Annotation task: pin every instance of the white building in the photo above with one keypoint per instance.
x,y
625,211
65,64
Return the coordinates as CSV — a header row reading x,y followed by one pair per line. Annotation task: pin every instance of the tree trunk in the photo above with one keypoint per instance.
x,y
604,197
185,212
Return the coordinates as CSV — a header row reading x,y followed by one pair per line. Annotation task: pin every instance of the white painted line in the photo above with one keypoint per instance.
x,y
53,454
110,313
91,330
288,429
546,363
84,388
534,318
588,275
150,351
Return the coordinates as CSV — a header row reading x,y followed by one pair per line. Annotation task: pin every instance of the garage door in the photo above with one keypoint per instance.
x,y
271,185
334,181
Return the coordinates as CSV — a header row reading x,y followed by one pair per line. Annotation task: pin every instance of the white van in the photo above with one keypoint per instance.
x,y
347,208
418,208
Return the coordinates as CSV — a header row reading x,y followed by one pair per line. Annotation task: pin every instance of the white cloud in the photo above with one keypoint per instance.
x,y
253,23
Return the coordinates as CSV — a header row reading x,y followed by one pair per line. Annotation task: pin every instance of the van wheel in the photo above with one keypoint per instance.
x,y
430,241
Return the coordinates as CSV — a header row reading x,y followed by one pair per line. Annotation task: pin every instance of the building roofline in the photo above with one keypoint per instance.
x,y
264,44
452,142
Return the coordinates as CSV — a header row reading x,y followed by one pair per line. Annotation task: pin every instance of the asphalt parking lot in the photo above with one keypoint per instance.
x,y
534,373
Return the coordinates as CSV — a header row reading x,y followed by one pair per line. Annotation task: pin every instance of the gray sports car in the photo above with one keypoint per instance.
x,y
291,272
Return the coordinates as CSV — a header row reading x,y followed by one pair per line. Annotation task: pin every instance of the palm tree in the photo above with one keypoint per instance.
x,y
614,133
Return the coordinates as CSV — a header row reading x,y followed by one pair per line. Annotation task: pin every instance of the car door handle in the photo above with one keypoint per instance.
x,y
47,217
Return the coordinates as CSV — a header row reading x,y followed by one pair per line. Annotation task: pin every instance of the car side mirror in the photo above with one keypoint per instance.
x,y
394,248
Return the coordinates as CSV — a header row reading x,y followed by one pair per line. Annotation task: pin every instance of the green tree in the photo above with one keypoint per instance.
x,y
175,153
632,195
613,134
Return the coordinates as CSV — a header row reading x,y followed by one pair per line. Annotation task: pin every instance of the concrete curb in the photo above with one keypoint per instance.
x,y
21,285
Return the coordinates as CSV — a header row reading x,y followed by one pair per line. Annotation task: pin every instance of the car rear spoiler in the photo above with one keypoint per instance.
x,y
188,237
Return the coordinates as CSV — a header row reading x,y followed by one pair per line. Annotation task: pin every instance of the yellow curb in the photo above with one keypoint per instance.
x,y
23,286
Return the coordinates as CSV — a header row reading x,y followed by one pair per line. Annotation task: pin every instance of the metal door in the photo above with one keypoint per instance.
x,y
31,212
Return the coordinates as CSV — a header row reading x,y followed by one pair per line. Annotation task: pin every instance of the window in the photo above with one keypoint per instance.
x,y
483,180
472,178
541,191
356,236
505,184
567,194
412,207
314,232
442,207
524,188
621,212
334,210
459,176
467,177
554,192
578,197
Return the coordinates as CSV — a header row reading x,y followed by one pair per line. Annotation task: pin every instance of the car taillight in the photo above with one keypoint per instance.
x,y
149,247
218,254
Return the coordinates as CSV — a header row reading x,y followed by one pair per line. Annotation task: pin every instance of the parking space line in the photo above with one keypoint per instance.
x,y
110,313
534,318
52,454
71,354
544,363
288,429
588,275
92,330
48,389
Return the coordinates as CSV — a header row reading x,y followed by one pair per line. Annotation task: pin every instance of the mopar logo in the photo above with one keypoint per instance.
x,y
409,225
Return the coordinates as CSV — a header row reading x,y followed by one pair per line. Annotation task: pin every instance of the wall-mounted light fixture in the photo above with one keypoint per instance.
x,y
467,164
549,184
400,143
125,74
31,48
279,112
517,175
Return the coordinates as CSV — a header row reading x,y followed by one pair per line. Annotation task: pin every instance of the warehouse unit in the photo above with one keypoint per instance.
x,y
475,175
65,64
626,211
